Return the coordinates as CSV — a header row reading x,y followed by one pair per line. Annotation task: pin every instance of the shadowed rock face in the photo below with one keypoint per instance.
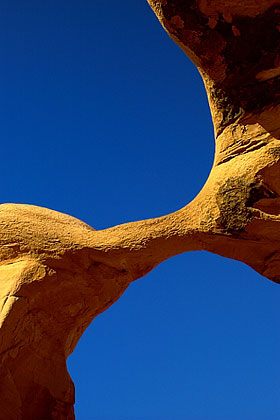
x,y
57,273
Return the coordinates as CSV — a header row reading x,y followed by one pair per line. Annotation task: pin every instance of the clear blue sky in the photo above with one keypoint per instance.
x,y
104,118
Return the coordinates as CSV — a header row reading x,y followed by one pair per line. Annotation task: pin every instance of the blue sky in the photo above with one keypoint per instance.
x,y
104,118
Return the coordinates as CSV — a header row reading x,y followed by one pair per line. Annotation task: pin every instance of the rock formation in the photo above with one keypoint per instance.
x,y
57,273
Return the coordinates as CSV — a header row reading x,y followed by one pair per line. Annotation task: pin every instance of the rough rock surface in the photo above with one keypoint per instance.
x,y
57,273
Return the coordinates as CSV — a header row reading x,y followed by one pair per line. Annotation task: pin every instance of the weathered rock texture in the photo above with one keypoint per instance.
x,y
57,273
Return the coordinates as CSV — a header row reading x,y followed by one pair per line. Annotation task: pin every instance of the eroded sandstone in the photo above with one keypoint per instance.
x,y
57,273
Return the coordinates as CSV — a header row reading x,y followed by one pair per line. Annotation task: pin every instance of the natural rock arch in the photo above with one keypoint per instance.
x,y
44,254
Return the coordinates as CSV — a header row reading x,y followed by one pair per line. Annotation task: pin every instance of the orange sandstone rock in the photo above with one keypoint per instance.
x,y
57,273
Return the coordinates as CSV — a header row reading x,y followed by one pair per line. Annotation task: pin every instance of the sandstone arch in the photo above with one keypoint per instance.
x,y
45,254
